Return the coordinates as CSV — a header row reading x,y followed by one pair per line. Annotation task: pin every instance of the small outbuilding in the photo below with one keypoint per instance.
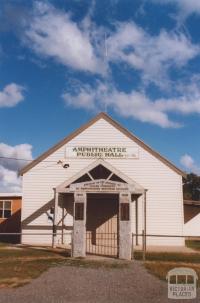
x,y
96,188
192,218
10,217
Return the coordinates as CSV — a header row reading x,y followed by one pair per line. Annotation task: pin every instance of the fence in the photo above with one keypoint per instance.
x,y
64,239
145,237
105,244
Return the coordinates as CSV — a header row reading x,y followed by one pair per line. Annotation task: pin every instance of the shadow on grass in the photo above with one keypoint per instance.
x,y
27,251
18,272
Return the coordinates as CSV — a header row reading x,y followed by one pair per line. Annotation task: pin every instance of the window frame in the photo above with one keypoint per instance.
x,y
79,211
124,211
3,209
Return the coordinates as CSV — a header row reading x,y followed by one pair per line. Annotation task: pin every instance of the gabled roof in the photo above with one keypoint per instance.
x,y
10,195
116,125
191,202
137,187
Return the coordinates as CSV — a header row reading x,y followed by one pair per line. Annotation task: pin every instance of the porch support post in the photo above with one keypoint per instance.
x,y
136,220
79,230
145,219
55,219
125,237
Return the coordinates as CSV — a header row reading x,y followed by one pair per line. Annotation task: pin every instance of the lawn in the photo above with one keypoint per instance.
x,y
160,269
10,252
194,244
158,263
15,273
18,266
2,244
169,257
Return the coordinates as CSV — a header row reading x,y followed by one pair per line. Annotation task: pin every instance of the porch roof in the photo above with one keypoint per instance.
x,y
71,185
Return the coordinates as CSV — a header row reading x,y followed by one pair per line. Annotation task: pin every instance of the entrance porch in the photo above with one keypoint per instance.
x,y
102,197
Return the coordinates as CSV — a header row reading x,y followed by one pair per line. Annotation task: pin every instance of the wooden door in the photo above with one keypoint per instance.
x,y
102,224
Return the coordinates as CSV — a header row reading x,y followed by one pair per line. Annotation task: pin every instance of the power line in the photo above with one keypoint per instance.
x,y
105,58
20,159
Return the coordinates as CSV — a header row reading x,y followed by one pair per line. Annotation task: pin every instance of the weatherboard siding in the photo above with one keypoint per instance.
x,y
164,195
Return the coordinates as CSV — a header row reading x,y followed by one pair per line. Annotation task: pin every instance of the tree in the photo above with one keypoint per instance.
x,y
191,187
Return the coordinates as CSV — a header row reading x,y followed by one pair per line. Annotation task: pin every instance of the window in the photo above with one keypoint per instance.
x,y
100,172
5,209
83,178
190,279
116,178
52,210
124,211
79,211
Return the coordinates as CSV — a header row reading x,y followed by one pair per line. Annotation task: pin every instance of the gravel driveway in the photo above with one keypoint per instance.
x,y
74,284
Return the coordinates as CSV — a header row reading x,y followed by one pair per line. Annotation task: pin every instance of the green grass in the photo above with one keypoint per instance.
x,y
160,269
18,266
159,263
167,257
194,244
18,252
3,244
18,272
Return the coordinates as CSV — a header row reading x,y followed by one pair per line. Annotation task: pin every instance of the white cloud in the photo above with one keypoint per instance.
x,y
134,104
140,107
52,33
183,105
86,97
137,104
152,55
9,179
11,95
188,162
186,7
80,45
187,102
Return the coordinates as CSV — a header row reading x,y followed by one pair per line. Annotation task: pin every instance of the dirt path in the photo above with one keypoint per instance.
x,y
67,284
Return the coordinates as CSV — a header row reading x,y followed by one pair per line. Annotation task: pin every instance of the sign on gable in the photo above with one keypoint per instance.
x,y
105,152
100,186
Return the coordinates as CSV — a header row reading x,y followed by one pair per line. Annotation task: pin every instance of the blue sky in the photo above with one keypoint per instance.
x,y
62,62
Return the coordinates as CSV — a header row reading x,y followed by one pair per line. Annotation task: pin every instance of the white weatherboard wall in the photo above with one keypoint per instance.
x,y
192,227
164,196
